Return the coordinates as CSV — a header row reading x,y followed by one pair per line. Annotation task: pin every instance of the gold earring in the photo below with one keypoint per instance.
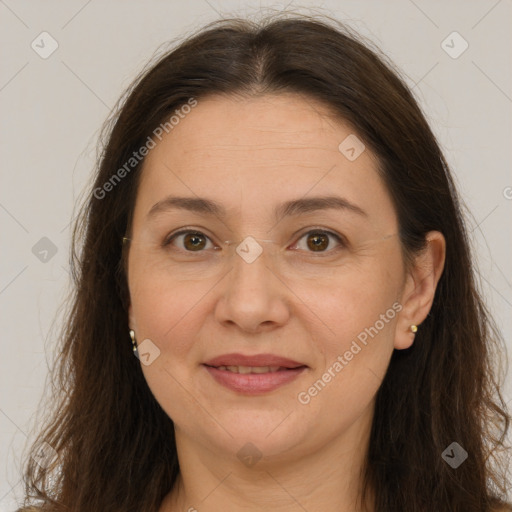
x,y
134,343
414,328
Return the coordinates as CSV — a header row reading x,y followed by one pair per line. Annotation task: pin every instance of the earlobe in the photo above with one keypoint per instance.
x,y
404,337
420,288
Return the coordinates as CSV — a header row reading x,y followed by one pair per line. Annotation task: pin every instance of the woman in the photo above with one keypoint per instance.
x,y
275,234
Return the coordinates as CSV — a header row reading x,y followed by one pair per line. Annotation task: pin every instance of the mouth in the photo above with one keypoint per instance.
x,y
252,375
271,361
254,369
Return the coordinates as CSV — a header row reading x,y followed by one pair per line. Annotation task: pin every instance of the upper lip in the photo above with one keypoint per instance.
x,y
256,360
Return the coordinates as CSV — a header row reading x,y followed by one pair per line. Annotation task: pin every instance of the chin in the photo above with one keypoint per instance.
x,y
264,433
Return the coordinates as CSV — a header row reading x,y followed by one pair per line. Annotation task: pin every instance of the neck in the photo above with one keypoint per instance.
x,y
326,478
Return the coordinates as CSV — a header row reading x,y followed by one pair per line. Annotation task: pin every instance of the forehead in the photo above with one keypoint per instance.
x,y
262,124
261,151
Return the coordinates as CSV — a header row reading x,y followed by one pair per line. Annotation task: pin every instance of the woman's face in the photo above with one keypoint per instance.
x,y
329,306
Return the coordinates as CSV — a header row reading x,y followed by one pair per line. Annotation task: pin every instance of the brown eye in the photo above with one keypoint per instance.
x,y
192,241
319,241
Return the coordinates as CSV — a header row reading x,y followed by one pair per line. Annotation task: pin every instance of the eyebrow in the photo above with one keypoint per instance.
x,y
205,206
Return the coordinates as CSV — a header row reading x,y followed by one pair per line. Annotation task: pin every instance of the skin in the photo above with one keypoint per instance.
x,y
250,155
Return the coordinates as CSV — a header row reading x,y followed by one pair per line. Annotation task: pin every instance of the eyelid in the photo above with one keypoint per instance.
x,y
339,238
187,230
184,231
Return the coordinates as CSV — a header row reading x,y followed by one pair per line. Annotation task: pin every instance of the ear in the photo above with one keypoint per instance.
x,y
419,288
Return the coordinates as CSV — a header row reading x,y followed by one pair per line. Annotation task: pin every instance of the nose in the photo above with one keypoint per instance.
x,y
252,295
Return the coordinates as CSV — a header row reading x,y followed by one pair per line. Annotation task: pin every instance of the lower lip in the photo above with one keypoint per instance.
x,y
254,383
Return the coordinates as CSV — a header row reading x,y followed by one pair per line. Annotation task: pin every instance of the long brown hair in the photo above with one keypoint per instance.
x,y
115,444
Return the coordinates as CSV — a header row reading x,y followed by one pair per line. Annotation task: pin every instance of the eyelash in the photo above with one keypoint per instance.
x,y
169,239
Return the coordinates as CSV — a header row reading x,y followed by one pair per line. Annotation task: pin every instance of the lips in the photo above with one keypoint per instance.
x,y
260,360
252,375
251,369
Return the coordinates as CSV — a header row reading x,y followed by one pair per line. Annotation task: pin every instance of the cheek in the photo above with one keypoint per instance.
x,y
355,359
359,355
358,316
168,314
356,301
165,310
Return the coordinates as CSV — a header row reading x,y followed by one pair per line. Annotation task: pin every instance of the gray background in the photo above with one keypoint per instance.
x,y
53,109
